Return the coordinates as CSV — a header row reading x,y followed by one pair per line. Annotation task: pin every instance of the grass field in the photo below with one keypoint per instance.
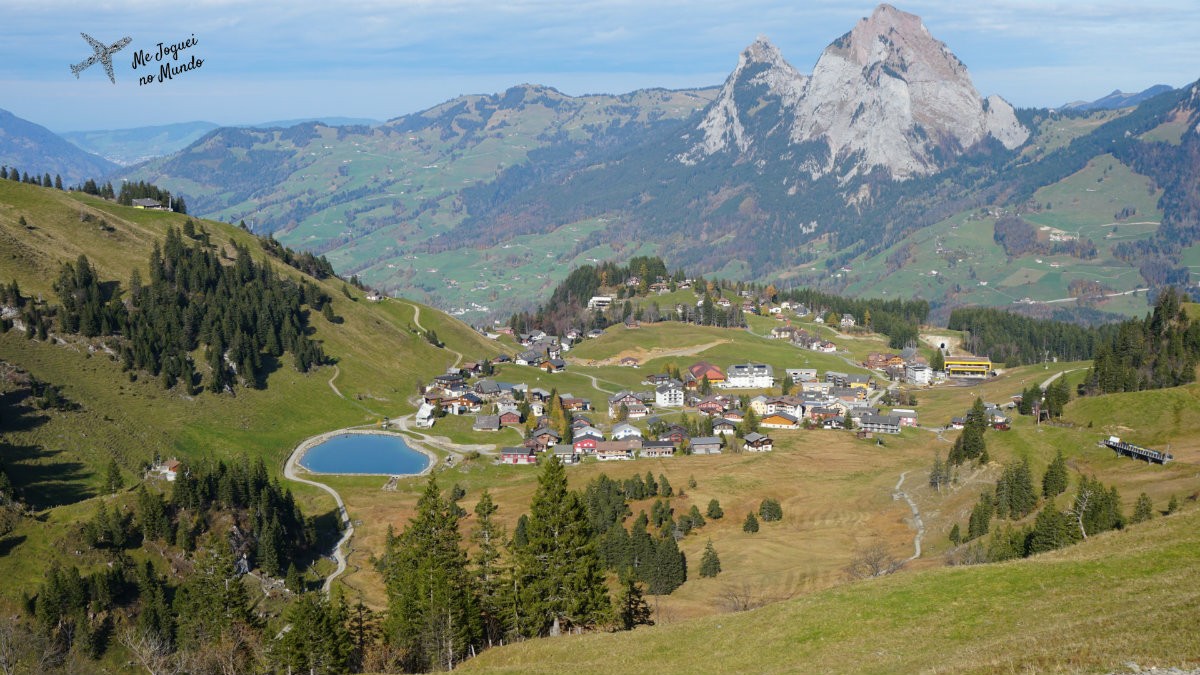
x,y
1120,598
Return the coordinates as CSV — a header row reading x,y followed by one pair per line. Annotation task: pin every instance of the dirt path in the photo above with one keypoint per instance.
x,y
458,357
917,523
1050,380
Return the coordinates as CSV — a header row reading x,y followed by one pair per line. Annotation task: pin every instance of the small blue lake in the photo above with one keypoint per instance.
x,y
381,454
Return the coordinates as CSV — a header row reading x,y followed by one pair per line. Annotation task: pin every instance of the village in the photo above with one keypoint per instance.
x,y
703,408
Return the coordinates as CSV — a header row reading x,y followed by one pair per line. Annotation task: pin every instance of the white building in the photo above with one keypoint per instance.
x,y
668,395
918,374
749,376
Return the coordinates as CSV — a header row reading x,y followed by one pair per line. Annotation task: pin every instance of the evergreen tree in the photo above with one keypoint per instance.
x,y
1054,481
955,535
1143,509
938,363
293,580
664,486
112,477
213,602
488,572
1051,530
669,568
770,510
939,474
710,563
651,485
559,571
318,641
1173,505
432,618
632,608
520,533
696,518
714,511
750,525
981,517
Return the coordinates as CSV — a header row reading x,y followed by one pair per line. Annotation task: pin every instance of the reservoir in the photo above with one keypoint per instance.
x,y
379,454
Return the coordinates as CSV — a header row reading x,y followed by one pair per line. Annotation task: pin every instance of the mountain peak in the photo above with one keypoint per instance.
x,y
885,95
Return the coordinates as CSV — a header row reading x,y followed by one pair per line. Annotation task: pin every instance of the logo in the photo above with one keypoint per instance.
x,y
103,54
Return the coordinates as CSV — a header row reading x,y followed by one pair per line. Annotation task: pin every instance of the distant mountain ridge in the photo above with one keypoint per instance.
x,y
138,144
1118,99
35,149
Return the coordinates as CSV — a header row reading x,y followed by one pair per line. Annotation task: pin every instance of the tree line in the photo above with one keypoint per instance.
x,y
1016,340
1161,350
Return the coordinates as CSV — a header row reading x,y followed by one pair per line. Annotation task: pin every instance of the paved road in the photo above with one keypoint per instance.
x,y
290,471
1050,380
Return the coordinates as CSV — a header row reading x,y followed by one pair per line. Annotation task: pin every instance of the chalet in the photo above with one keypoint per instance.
x,y
750,376
847,321
545,438
881,424
488,388
486,423
538,394
637,411
676,434
625,430
502,358
580,422
659,448
724,303
706,445
783,332
659,379
150,204
908,418
623,397
711,405
594,333
734,415
824,413
617,450
629,362
756,442
518,455
724,426
531,357
632,323
878,361
448,380
509,418
537,408
553,365
573,403
565,453
586,445
669,395
170,469
702,369
824,347
779,421
958,422
790,405
848,394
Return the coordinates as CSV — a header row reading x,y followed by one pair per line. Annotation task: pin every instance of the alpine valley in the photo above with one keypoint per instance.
x,y
883,169
855,371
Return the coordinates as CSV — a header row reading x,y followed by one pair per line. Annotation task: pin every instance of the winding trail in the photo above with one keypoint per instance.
x,y
1050,380
417,320
918,524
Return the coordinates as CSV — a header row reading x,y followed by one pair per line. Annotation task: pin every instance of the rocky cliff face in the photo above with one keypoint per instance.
x,y
886,95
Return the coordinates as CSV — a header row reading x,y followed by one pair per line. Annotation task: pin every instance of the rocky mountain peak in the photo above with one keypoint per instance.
x,y
886,95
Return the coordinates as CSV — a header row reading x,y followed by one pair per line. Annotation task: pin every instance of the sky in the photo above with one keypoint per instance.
x,y
379,59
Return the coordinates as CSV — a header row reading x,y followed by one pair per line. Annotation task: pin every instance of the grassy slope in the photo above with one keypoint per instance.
x,y
58,456
1120,597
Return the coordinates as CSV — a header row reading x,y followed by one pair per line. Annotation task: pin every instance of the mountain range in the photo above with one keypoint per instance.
x,y
33,148
883,168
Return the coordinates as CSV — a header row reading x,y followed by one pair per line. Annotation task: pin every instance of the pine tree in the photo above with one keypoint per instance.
x,y
955,535
1143,509
981,517
1173,505
651,485
714,511
432,618
293,580
632,608
489,574
710,563
696,518
112,477
1054,481
770,510
559,570
750,525
1051,530
664,486
318,641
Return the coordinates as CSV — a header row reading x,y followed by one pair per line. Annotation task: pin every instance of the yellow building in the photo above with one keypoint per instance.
x,y
968,366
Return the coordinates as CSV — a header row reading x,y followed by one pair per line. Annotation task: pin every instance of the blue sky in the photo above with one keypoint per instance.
x,y
380,59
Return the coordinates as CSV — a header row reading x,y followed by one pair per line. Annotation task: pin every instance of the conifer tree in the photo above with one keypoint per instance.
x,y
981,517
1143,509
696,518
489,573
955,535
651,485
318,641
1173,505
664,486
750,525
710,563
432,617
1051,530
714,510
1054,481
632,608
561,579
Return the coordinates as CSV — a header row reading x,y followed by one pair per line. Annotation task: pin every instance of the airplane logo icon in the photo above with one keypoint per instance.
x,y
103,55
